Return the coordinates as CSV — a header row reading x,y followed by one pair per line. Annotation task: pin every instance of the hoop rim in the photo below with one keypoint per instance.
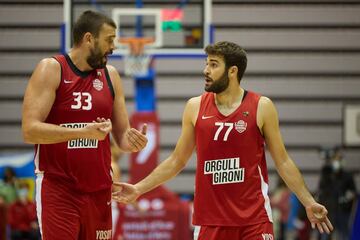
x,y
136,44
129,40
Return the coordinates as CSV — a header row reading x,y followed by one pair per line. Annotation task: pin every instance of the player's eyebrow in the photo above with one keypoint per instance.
x,y
212,60
111,36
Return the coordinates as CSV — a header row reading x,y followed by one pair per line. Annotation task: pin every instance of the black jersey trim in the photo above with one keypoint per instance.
x,y
77,71
245,93
108,79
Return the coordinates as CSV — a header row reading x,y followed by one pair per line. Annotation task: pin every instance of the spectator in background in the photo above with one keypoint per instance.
x,y
303,225
7,186
7,196
292,224
337,191
280,203
298,226
2,219
22,216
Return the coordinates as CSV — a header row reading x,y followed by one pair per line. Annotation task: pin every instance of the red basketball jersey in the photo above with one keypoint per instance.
x,y
231,176
83,164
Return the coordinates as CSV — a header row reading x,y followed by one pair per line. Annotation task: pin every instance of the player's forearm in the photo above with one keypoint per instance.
x,y
162,173
45,133
294,180
124,144
122,141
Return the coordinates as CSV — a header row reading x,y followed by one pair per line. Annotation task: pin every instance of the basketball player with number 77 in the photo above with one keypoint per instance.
x,y
229,127
71,104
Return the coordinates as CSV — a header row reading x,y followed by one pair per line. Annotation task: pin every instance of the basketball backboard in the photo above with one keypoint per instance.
x,y
178,27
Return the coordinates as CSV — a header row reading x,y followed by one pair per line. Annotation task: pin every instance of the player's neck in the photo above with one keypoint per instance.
x,y
230,98
78,57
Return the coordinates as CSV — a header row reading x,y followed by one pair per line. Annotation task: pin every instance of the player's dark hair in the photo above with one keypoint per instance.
x,y
233,55
91,22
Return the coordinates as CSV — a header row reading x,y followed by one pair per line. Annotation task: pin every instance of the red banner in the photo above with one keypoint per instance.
x,y
143,162
159,215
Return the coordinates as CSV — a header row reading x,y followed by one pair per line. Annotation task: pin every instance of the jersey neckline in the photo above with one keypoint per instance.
x,y
76,70
232,113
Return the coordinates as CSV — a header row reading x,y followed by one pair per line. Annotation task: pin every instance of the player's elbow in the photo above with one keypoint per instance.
x,y
27,134
27,137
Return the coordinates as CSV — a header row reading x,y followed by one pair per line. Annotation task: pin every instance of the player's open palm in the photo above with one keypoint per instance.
x,y
124,192
137,140
317,215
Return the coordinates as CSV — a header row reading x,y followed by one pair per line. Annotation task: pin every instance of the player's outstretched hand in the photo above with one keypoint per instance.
x,y
317,215
124,192
137,139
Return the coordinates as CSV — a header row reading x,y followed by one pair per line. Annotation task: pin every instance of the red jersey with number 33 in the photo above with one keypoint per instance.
x,y
231,176
83,164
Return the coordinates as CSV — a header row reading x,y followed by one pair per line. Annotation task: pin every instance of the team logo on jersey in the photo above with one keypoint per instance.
x,y
80,142
225,171
240,126
98,85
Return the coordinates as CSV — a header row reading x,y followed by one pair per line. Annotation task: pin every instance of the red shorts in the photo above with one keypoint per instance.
x,y
66,214
261,231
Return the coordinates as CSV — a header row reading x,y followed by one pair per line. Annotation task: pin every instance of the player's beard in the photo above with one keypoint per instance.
x,y
96,58
219,85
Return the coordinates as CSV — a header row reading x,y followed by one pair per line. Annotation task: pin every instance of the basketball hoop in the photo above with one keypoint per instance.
x,y
136,60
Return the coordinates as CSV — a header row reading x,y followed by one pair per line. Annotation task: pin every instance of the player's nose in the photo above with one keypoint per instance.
x,y
206,71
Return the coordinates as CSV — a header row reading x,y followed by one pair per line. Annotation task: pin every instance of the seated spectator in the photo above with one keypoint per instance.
x,y
22,216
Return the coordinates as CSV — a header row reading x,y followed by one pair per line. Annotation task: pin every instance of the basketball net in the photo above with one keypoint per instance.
x,y
136,60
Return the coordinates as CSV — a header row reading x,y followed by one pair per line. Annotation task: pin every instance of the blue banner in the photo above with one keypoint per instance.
x,y
22,164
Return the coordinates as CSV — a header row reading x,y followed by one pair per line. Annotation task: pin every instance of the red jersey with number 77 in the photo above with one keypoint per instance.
x,y
231,186
82,164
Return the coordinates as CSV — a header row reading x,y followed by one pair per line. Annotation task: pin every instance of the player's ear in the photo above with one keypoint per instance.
x,y
87,38
233,71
